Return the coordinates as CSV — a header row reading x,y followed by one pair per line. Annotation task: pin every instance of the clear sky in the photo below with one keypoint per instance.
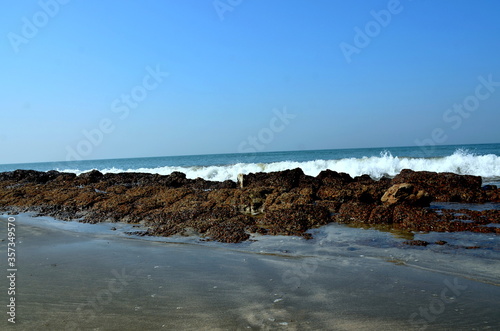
x,y
88,79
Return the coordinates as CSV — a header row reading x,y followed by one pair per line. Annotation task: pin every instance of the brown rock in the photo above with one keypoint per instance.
x,y
354,212
287,179
287,202
334,179
492,193
406,194
381,215
416,243
295,220
444,186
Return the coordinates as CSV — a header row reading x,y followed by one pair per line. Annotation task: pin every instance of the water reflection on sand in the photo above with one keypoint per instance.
x,y
82,276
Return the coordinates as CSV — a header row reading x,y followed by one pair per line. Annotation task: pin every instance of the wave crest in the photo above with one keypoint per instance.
x,y
461,162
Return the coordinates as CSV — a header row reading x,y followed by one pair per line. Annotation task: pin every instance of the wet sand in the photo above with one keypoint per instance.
x,y
72,279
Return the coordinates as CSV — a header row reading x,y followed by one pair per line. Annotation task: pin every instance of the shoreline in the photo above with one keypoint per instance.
x,y
280,203
337,240
72,280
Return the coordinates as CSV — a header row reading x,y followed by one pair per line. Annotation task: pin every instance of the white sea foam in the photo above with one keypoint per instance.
x,y
461,162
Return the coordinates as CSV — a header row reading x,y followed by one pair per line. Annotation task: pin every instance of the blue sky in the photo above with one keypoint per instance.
x,y
69,67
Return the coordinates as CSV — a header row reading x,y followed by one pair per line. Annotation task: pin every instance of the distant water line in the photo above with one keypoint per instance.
x,y
479,160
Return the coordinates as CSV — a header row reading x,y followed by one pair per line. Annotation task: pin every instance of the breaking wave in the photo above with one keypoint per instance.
x,y
461,162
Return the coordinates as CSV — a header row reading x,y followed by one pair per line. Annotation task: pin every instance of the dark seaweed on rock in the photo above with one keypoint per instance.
x,y
279,203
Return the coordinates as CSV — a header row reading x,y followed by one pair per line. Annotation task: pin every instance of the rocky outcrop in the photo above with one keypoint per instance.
x,y
406,194
279,203
444,187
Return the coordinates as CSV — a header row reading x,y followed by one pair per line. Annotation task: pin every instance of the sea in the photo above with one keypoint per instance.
x,y
344,278
479,160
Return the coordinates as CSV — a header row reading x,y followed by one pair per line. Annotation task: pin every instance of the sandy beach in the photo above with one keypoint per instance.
x,y
74,276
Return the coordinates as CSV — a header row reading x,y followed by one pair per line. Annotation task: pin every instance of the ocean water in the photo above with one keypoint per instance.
x,y
344,278
480,160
